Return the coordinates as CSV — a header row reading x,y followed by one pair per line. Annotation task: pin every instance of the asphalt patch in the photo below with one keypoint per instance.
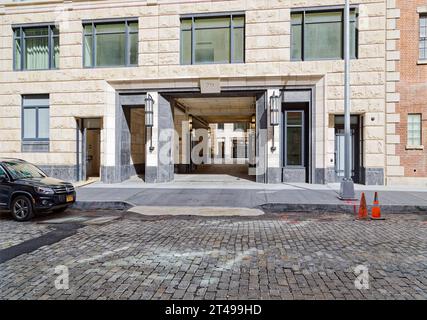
x,y
59,233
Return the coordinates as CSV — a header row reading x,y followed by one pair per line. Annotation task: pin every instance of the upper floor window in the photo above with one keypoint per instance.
x,y
110,44
319,35
218,39
220,126
414,129
240,126
35,47
423,37
35,117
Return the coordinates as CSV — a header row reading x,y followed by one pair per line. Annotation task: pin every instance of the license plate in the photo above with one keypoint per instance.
x,y
70,198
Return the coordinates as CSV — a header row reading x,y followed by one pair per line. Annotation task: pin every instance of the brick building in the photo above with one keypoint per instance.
x,y
411,125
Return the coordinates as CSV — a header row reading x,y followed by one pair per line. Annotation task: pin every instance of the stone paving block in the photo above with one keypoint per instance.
x,y
289,256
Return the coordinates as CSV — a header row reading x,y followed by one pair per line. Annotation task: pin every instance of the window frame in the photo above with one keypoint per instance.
x,y
421,40
93,34
36,108
304,11
231,28
22,39
420,131
285,140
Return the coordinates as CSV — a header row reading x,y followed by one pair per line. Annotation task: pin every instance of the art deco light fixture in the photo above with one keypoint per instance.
x,y
275,101
149,118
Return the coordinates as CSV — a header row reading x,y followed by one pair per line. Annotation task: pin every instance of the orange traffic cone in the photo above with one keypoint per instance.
x,y
363,209
376,210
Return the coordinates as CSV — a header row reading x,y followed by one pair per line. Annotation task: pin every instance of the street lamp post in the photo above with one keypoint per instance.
x,y
347,185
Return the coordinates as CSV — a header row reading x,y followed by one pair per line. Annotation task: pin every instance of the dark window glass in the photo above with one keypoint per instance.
x,y
294,130
2,173
320,35
240,126
20,170
213,40
35,117
110,44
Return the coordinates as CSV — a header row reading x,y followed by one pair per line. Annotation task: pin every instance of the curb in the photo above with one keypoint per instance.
x,y
102,205
267,208
338,208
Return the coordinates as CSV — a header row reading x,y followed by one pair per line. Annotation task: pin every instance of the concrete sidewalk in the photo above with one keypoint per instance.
x,y
272,198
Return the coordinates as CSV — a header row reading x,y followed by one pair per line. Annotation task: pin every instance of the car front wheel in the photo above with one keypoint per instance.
x,y
22,209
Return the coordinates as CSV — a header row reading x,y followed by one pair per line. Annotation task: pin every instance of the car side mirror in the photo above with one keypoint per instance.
x,y
3,179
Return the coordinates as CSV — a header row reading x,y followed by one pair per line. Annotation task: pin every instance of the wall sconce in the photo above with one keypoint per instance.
x,y
253,122
149,118
209,132
275,102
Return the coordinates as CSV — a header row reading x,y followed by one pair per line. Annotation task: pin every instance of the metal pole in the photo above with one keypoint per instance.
x,y
347,185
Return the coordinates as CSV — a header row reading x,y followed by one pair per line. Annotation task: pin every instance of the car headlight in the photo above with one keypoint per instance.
x,y
44,190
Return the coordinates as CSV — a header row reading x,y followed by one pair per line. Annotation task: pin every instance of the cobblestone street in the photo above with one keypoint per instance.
x,y
290,256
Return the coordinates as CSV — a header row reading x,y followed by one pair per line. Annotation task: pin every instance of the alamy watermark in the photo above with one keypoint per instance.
x,y
62,281
362,277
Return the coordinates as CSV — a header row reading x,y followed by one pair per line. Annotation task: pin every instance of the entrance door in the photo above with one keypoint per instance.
x,y
89,148
296,134
93,141
355,147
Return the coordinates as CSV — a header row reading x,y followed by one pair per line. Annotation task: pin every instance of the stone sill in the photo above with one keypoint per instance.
x,y
422,9
422,62
414,147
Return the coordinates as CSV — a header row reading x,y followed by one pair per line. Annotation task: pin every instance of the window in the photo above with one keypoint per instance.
x,y
294,131
318,35
240,148
35,118
2,173
220,126
240,126
110,44
35,48
423,37
414,129
213,39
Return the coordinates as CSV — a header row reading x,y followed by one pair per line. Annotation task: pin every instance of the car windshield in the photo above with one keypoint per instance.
x,y
22,170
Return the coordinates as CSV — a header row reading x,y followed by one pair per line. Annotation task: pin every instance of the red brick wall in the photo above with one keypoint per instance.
x,y
412,88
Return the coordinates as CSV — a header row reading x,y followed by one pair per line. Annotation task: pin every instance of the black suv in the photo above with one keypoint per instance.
x,y
25,190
